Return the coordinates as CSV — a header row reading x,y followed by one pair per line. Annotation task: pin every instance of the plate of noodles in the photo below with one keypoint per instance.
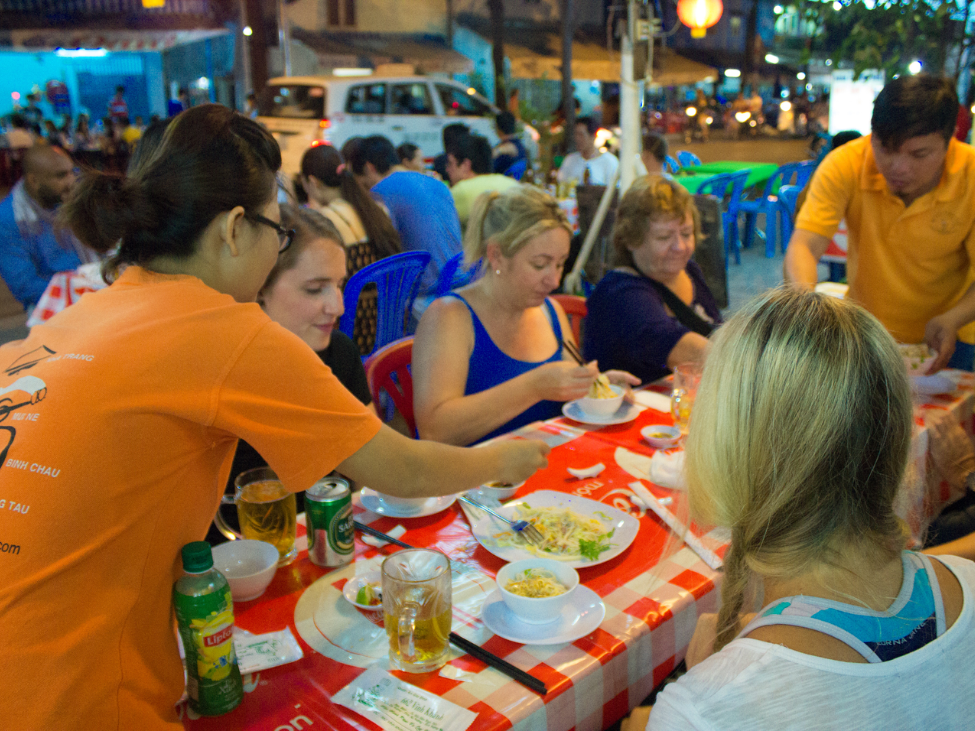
x,y
577,530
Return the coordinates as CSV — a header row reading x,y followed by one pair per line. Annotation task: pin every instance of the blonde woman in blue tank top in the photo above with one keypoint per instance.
x,y
488,358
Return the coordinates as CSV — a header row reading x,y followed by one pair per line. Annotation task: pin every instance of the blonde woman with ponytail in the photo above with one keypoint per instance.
x,y
799,441
488,358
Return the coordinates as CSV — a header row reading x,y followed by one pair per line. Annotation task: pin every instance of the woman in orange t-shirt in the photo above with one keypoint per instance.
x,y
126,408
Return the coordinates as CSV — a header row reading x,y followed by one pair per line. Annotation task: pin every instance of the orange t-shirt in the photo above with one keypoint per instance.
x,y
119,419
905,264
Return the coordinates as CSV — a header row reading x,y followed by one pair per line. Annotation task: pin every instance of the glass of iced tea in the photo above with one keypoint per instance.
x,y
417,609
687,376
267,511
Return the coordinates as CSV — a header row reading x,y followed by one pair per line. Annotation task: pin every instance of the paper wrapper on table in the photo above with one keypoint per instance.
x,y
399,706
261,652
667,470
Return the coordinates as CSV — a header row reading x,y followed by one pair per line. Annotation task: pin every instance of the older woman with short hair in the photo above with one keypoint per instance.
x,y
654,310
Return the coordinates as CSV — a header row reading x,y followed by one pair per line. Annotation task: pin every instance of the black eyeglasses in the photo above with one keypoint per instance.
x,y
285,235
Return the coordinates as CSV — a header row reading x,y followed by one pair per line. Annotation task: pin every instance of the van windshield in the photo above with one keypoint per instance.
x,y
295,101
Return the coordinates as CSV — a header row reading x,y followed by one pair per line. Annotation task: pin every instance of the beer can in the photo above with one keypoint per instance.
x,y
328,516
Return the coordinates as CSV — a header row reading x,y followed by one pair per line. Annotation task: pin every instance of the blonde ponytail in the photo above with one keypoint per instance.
x,y
799,440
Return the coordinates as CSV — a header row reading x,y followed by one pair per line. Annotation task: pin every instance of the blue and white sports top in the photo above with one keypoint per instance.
x,y
915,618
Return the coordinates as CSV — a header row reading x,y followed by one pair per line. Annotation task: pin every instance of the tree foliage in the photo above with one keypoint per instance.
x,y
890,35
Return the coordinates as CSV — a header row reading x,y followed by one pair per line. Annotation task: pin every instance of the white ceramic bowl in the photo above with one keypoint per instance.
x,y
660,436
402,503
602,406
543,609
917,358
248,565
351,589
500,490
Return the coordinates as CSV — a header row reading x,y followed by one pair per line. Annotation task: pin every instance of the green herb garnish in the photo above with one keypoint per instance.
x,y
592,549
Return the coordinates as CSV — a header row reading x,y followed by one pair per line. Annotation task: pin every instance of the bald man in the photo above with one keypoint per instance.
x,y
33,247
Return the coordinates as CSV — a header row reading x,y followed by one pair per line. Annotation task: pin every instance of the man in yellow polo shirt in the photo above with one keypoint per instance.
x,y
907,192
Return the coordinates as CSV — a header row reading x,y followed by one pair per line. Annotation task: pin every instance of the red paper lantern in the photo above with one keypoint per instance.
x,y
699,15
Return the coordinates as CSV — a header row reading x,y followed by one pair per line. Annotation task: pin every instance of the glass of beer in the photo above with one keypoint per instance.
x,y
687,376
267,511
417,609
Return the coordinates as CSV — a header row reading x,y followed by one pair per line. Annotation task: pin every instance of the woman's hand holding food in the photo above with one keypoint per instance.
x,y
564,380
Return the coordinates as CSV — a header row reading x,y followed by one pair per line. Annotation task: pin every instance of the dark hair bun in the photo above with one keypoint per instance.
x,y
207,161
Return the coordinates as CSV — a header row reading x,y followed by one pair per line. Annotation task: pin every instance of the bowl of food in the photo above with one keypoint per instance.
x,y
603,399
365,591
660,436
247,565
500,490
537,589
917,357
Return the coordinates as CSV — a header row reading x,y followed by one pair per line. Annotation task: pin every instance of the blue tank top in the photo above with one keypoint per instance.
x,y
916,617
489,367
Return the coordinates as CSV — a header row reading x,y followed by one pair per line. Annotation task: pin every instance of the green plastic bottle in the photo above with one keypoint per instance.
x,y
205,614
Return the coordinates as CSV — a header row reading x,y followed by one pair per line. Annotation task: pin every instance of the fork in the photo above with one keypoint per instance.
x,y
522,527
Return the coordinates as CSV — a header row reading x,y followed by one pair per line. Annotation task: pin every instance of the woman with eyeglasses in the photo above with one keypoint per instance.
x,y
121,415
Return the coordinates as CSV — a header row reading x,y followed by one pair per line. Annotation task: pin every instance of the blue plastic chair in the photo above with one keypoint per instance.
x,y
687,159
792,173
788,195
454,275
732,187
397,280
517,169
670,165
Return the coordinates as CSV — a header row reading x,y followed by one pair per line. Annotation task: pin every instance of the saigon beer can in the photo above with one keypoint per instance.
x,y
328,515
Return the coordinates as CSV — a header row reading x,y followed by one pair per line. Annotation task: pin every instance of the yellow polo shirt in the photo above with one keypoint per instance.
x,y
905,264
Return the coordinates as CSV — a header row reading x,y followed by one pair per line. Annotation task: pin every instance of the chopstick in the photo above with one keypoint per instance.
x,y
572,350
489,658
380,535
485,656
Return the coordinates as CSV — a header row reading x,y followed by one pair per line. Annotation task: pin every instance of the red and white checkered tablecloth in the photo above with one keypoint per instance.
x,y
652,604
924,494
64,289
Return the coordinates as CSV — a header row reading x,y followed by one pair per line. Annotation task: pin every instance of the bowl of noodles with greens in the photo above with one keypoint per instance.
x,y
603,398
537,589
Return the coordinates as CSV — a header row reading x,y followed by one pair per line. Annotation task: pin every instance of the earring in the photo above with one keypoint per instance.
x,y
498,272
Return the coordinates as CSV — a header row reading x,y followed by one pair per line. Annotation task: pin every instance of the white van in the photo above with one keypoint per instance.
x,y
301,111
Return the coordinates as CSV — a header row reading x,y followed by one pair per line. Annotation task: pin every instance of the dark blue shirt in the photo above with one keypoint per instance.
x,y
628,326
504,161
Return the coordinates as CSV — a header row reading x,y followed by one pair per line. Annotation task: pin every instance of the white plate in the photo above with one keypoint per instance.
x,y
431,506
352,586
486,527
932,385
579,617
626,412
